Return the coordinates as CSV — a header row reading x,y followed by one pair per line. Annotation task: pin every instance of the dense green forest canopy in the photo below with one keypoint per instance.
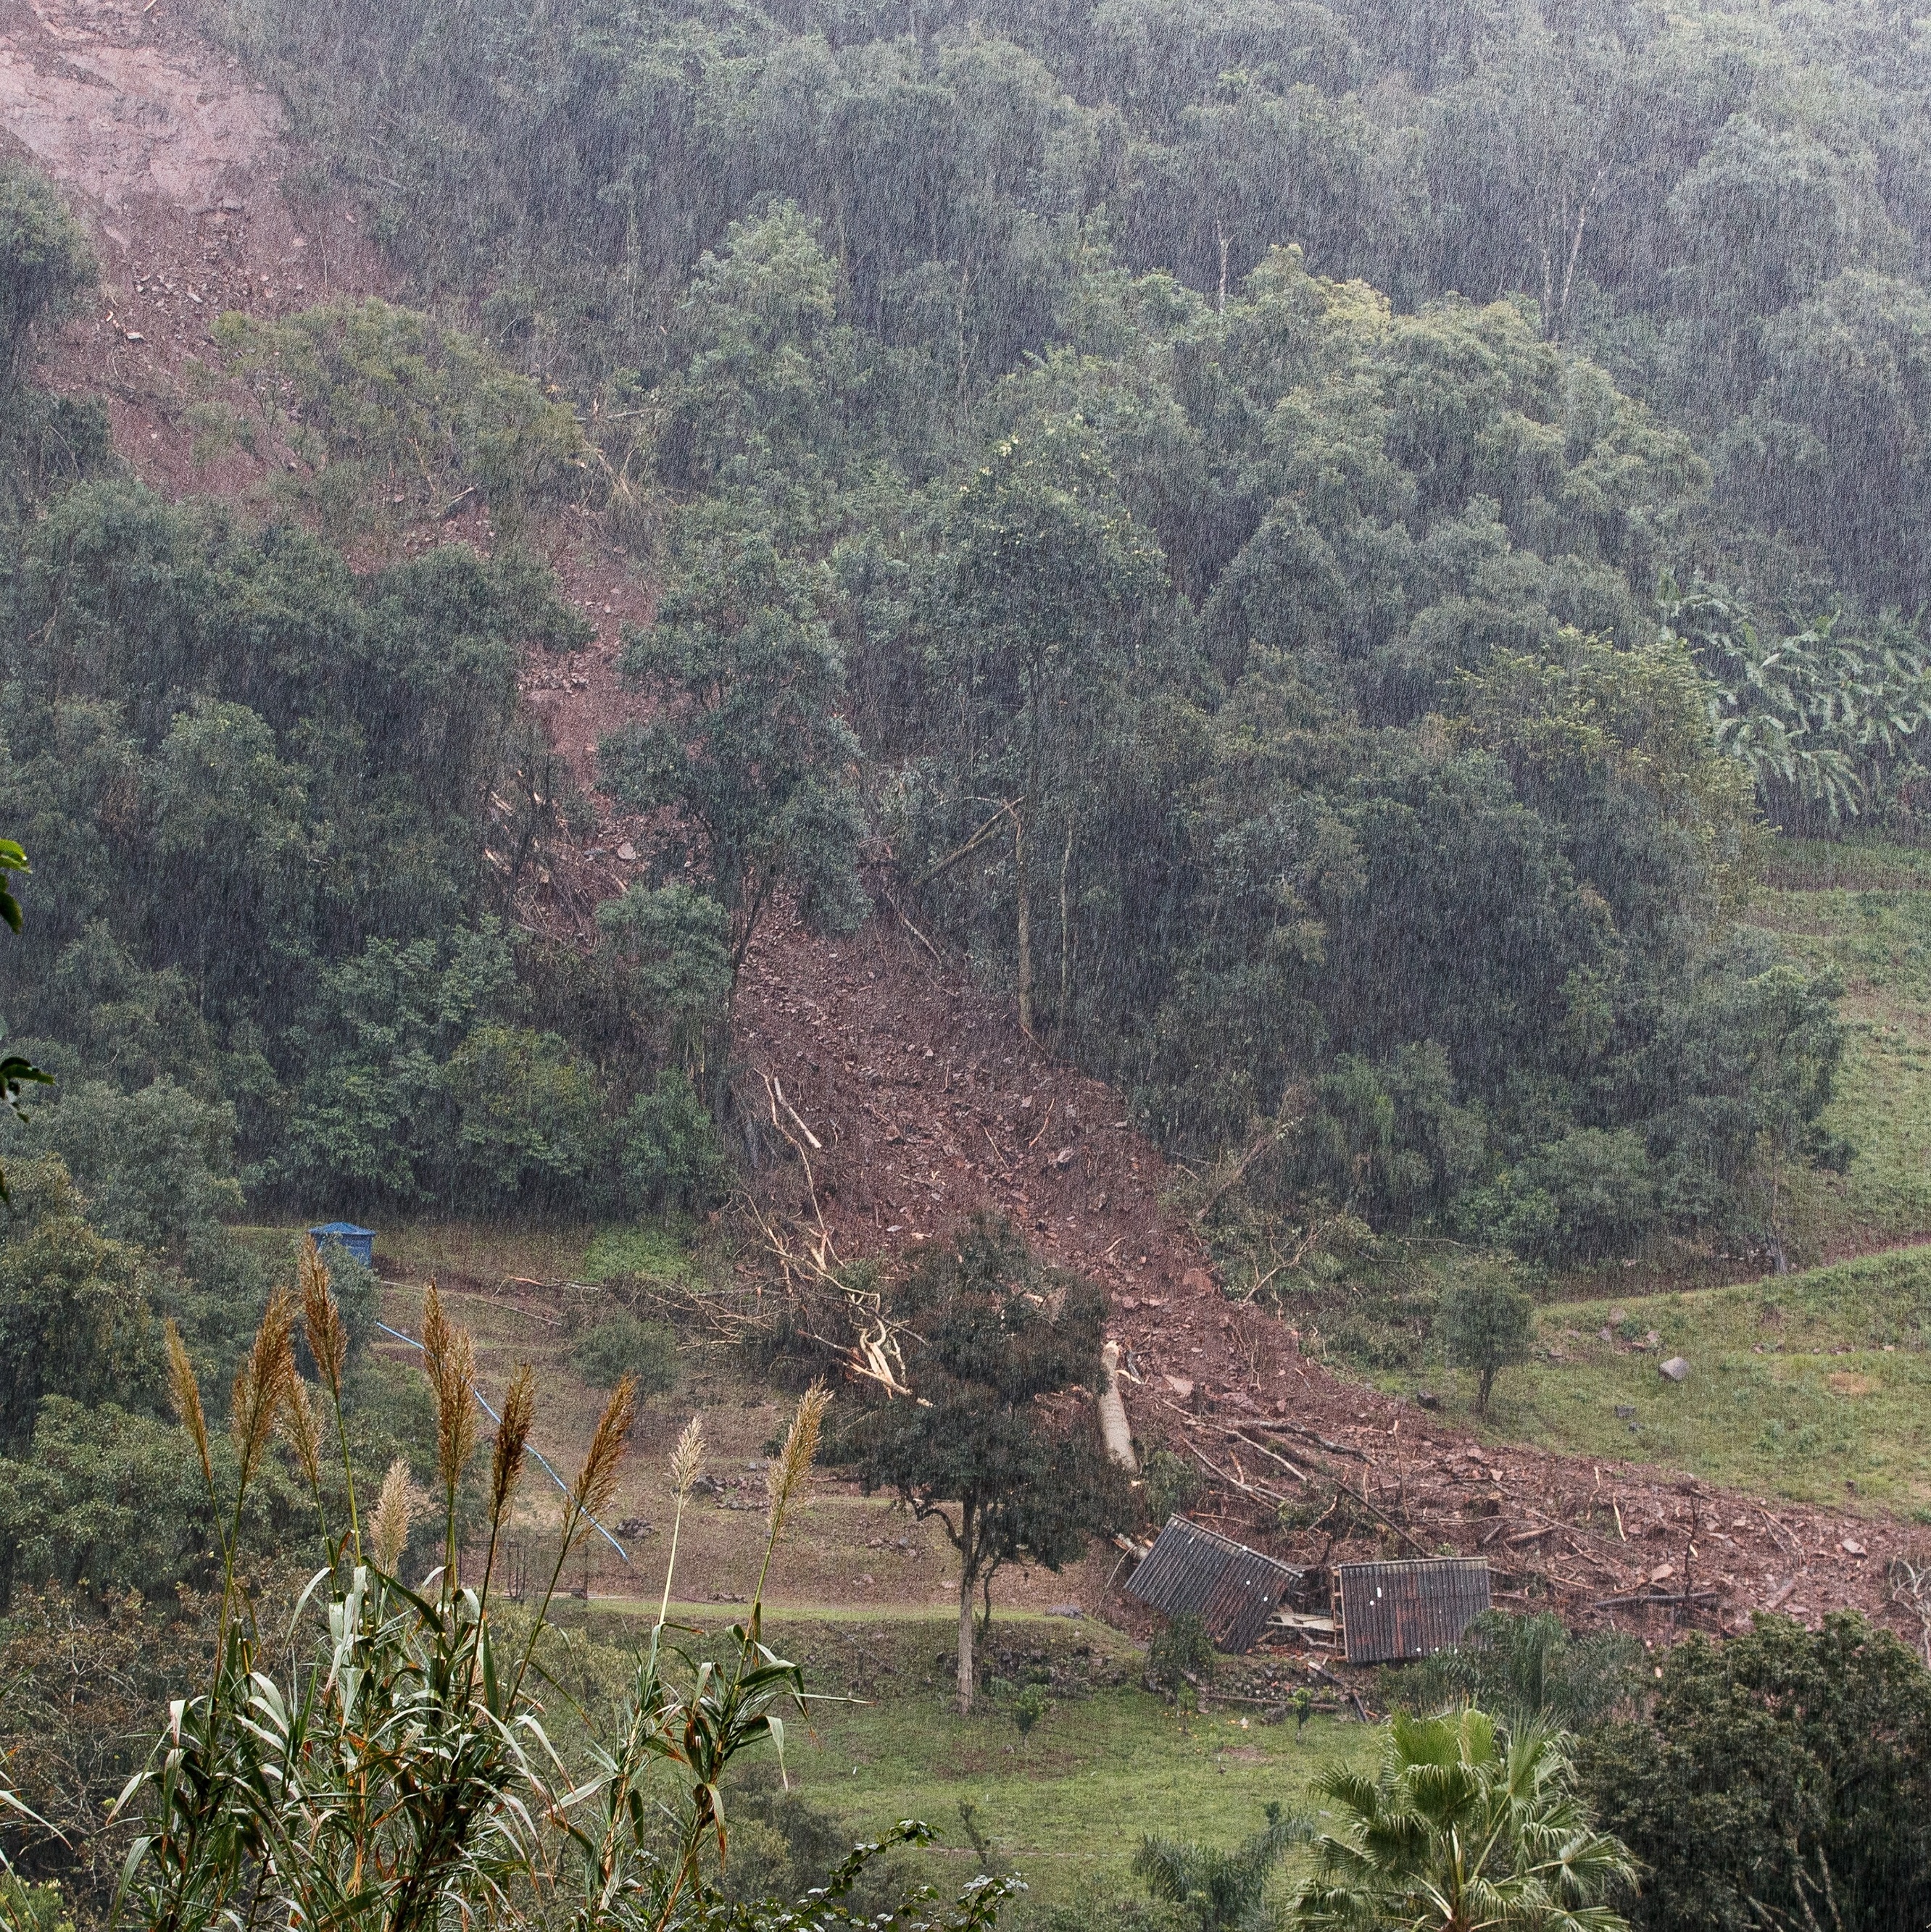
x,y
1296,536
1727,207
1363,491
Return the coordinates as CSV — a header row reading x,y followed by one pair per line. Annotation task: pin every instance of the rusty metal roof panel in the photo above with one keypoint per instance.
x,y
1391,1611
1231,1588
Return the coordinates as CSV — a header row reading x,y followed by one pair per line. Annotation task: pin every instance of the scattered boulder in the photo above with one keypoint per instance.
x,y
1676,1369
1180,1387
1424,1399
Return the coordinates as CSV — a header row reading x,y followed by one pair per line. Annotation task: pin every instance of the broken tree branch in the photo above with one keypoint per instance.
x,y
959,852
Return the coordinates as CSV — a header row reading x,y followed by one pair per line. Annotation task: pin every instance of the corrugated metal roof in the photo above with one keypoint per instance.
x,y
1390,1611
1231,1588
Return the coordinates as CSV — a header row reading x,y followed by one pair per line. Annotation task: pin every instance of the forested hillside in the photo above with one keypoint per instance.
x,y
1345,516
664,624
1726,208
1311,510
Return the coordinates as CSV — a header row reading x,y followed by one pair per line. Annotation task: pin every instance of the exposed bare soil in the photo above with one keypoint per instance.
x,y
928,1101
931,1105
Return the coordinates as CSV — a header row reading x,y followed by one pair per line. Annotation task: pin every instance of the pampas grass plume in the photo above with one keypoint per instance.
x,y
305,1437
794,1464
687,1460
322,1318
186,1392
389,1528
449,1357
262,1384
512,1439
595,1486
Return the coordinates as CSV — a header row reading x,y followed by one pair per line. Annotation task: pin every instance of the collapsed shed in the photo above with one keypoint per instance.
x,y
1394,1612
1233,1590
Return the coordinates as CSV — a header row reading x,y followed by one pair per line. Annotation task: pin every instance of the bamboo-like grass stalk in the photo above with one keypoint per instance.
x,y
303,1436
587,1498
506,1459
449,1359
686,1466
328,1336
794,1465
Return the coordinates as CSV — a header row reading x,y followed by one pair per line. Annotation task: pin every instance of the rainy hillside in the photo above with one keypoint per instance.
x,y
858,792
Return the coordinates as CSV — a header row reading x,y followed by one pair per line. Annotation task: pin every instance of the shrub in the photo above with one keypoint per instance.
x,y
45,264
527,1112
1527,1668
1181,1648
646,1253
672,1155
31,1908
1170,1485
621,1345
1487,1324
1587,1194
1028,1707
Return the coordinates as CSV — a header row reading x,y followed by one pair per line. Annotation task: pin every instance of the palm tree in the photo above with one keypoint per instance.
x,y
1525,1669
1459,1831
1221,1891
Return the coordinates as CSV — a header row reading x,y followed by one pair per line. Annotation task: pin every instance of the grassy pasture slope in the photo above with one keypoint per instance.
x,y
1066,1806
1866,910
1799,1387
1804,1385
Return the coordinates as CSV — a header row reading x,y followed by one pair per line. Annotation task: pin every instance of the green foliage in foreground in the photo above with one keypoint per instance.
x,y
394,1767
1529,1670
1219,1890
1461,1825
31,1908
1781,1778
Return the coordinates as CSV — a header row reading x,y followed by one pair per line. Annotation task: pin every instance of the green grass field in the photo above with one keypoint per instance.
x,y
1067,1806
1866,910
1799,1386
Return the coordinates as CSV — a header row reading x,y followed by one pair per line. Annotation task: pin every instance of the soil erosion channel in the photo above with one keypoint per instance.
x,y
929,1102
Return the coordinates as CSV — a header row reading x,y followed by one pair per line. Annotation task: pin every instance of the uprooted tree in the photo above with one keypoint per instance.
x,y
990,1338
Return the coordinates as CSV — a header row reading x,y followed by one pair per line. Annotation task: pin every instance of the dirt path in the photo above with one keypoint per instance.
x,y
929,1101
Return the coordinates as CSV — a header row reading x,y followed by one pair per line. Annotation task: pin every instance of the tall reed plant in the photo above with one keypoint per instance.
x,y
395,1774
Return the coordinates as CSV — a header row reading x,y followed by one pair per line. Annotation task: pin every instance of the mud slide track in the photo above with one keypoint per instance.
x,y
930,1102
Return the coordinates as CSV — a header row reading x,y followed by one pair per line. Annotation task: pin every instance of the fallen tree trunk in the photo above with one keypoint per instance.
x,y
1114,1431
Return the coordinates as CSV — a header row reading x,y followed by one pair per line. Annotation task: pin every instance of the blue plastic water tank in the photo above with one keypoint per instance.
x,y
360,1242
